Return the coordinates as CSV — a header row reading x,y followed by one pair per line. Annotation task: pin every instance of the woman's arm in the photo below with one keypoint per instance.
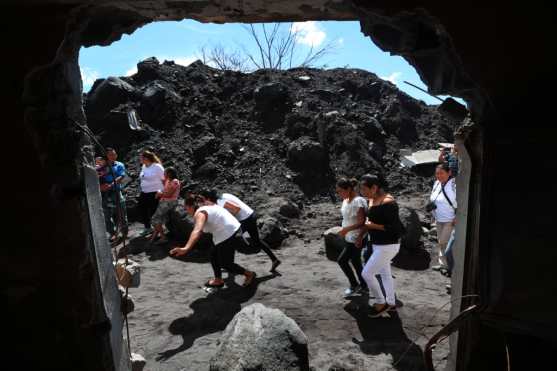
x,y
232,207
359,224
200,219
168,191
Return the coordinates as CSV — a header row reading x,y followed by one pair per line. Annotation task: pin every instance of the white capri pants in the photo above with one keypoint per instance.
x,y
380,263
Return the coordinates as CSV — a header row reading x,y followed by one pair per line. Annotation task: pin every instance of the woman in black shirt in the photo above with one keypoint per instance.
x,y
384,229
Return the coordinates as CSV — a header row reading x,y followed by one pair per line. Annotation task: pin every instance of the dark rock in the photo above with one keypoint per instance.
x,y
413,228
289,210
148,69
207,170
272,231
108,94
180,225
307,155
334,243
272,103
261,338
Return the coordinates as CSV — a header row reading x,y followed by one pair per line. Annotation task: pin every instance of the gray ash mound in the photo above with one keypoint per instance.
x,y
268,133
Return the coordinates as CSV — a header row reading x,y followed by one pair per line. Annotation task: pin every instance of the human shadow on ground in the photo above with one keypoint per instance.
x,y
138,245
412,260
211,314
385,335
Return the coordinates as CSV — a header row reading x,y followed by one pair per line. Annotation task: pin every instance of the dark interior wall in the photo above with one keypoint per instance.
x,y
498,56
49,281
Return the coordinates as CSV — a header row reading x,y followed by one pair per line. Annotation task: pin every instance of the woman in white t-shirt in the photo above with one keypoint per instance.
x,y
247,218
443,196
151,182
224,228
353,219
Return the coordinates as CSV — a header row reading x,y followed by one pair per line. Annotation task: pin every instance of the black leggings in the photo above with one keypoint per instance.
x,y
351,253
147,205
250,225
222,256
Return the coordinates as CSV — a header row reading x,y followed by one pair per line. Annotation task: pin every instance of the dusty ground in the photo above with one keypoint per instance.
x,y
176,324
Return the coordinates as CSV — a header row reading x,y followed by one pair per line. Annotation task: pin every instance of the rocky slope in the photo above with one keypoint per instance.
x,y
285,133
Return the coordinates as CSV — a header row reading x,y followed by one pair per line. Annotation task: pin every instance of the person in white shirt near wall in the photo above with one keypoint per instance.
x,y
151,182
443,208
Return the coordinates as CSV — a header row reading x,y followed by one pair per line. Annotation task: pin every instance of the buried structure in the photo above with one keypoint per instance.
x,y
63,307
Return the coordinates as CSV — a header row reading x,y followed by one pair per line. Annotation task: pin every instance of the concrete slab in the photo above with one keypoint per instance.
x,y
420,158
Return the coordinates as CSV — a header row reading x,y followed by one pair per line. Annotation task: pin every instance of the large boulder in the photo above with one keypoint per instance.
x,y
307,156
272,231
261,338
412,255
158,104
180,225
272,103
411,221
334,243
106,95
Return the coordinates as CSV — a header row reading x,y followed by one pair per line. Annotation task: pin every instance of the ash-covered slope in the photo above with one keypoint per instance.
x,y
283,133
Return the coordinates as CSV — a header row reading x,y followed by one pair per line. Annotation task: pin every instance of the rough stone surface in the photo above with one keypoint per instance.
x,y
128,275
413,228
334,243
261,338
138,362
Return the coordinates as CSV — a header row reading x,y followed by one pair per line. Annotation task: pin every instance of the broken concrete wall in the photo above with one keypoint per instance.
x,y
474,53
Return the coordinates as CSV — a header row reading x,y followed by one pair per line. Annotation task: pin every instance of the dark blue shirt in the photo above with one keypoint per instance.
x,y
119,170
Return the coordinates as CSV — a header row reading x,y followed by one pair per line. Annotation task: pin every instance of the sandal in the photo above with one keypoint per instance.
x,y
213,284
249,279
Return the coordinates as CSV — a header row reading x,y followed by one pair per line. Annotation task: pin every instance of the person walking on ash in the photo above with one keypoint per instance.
x,y
245,215
353,212
224,228
385,230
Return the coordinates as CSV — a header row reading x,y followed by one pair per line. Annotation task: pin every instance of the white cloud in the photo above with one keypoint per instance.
x,y
393,77
341,41
183,61
131,71
88,76
308,33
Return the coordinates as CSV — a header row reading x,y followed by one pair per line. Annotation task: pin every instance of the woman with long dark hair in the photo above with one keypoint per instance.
x,y
385,230
151,182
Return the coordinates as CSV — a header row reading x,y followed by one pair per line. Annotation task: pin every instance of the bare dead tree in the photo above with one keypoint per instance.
x,y
219,57
278,48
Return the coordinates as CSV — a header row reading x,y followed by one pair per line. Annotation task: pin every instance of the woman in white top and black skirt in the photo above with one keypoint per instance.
x,y
224,228
385,230
151,182
353,212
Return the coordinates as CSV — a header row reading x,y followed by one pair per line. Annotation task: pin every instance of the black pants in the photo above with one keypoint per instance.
x,y
351,253
147,205
222,256
250,225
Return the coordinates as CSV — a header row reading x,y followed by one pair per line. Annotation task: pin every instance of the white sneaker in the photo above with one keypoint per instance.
x,y
351,291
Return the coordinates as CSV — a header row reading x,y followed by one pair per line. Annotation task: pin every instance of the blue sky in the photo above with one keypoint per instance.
x,y
182,42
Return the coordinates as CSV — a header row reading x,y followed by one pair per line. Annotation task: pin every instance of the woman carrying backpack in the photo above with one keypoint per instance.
x,y
443,208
